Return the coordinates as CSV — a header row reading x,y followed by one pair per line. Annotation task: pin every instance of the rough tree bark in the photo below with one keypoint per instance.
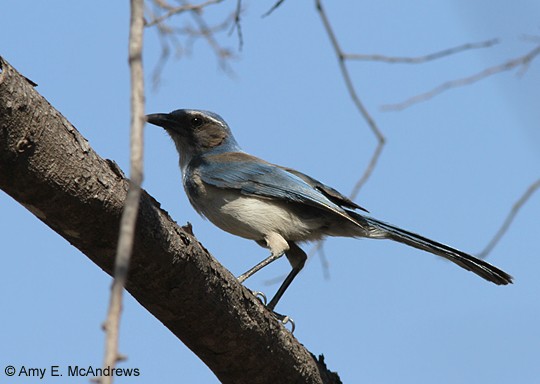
x,y
48,167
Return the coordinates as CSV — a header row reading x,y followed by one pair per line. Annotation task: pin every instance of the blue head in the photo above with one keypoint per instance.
x,y
195,132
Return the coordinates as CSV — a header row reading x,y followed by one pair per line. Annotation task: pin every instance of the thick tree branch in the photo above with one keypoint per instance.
x,y
48,167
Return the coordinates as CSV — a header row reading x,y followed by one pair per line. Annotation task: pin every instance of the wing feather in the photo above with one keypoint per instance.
x,y
253,176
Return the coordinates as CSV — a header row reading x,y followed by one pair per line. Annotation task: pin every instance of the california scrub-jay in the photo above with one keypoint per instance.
x,y
277,206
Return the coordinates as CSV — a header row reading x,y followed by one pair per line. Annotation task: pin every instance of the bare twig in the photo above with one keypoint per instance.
x,y
421,59
510,218
182,38
206,31
237,25
274,7
356,100
531,39
319,247
165,52
131,207
522,61
342,57
369,169
171,11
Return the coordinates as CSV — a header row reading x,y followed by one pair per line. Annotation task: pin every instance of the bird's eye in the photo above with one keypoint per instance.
x,y
196,122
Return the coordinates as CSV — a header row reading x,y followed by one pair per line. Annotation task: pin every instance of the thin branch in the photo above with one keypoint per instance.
x,y
531,39
356,100
165,52
341,56
274,7
319,247
237,24
168,34
510,218
131,207
369,170
522,61
206,31
346,76
171,11
421,59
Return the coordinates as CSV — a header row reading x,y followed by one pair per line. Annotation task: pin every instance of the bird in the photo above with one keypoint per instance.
x,y
278,207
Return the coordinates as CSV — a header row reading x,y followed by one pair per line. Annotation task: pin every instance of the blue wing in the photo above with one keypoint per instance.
x,y
333,195
253,176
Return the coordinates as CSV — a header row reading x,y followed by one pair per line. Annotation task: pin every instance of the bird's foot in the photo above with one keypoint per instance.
x,y
261,296
284,320
281,318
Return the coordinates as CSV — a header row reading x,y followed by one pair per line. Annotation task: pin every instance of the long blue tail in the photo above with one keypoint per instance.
x,y
380,229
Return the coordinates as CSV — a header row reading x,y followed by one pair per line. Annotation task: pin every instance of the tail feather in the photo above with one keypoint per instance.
x,y
380,229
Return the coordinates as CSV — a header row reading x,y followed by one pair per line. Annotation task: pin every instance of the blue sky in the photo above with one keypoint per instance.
x,y
452,168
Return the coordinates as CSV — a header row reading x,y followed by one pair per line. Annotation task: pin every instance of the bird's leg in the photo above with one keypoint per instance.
x,y
288,280
278,246
297,258
262,297
262,264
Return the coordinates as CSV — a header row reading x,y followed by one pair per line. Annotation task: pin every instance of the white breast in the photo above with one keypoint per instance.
x,y
250,217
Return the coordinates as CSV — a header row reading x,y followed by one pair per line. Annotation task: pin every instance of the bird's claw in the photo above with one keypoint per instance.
x,y
284,320
261,296
281,318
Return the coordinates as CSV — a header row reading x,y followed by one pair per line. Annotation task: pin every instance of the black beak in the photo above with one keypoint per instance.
x,y
160,119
